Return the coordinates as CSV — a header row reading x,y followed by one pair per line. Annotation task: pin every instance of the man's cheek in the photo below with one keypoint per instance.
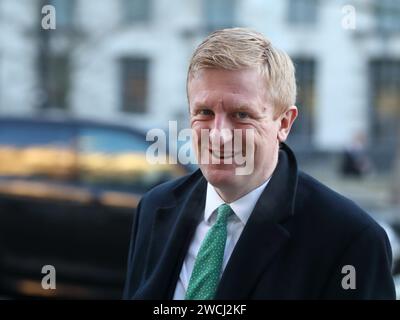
x,y
244,159
200,138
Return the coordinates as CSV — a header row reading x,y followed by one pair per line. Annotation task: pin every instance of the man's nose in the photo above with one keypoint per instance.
x,y
221,131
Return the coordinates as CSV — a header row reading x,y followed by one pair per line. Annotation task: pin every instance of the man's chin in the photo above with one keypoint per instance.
x,y
220,176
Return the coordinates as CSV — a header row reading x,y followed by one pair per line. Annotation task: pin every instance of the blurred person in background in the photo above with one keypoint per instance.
x,y
355,162
275,233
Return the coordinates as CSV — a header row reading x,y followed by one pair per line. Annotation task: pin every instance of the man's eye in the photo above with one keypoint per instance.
x,y
241,115
205,112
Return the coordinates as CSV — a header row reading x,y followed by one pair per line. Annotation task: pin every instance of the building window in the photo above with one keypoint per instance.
x,y
134,11
58,81
219,14
302,129
302,12
388,15
64,13
385,98
134,84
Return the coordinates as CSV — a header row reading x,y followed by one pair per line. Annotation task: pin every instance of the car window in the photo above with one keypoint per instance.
x,y
116,159
110,141
37,151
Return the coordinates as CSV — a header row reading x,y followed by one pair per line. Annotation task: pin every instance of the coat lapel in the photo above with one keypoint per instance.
x,y
172,232
264,234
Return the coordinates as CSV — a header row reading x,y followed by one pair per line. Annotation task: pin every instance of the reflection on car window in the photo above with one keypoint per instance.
x,y
36,150
107,141
116,159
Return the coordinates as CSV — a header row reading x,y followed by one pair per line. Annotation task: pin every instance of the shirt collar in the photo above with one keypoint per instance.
x,y
242,207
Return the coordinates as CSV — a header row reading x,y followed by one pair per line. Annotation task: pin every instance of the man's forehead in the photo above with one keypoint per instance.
x,y
216,97
212,87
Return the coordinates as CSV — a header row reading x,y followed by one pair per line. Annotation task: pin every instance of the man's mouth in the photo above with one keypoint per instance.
x,y
222,154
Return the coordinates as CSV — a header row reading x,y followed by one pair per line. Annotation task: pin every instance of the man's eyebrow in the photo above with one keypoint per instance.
x,y
242,107
201,104
239,107
198,106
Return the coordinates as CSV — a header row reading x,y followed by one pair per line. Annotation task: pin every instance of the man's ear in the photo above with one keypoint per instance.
x,y
286,120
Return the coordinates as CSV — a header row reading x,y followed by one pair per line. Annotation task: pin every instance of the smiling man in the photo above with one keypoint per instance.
x,y
272,232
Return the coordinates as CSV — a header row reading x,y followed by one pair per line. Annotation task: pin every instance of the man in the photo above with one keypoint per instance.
x,y
271,233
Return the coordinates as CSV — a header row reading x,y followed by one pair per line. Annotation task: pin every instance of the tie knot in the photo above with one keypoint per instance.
x,y
224,211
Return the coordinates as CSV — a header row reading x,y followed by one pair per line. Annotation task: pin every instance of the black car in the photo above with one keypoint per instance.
x,y
68,193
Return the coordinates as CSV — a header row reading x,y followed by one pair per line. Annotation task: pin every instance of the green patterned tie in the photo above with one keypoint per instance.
x,y
208,265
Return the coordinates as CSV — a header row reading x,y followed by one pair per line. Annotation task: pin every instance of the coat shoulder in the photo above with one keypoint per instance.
x,y
330,211
164,193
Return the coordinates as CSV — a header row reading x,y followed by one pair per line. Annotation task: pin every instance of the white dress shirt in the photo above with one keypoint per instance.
x,y
242,208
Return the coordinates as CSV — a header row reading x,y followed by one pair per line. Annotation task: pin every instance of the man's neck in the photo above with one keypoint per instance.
x,y
231,194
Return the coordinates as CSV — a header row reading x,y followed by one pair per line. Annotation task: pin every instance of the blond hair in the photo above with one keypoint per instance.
x,y
239,48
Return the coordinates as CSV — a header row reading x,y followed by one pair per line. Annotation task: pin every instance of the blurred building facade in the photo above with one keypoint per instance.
x,y
126,61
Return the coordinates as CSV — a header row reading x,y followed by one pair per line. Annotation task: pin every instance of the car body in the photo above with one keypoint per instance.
x,y
68,194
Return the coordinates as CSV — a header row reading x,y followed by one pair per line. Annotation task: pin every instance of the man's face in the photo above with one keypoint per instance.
x,y
223,99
